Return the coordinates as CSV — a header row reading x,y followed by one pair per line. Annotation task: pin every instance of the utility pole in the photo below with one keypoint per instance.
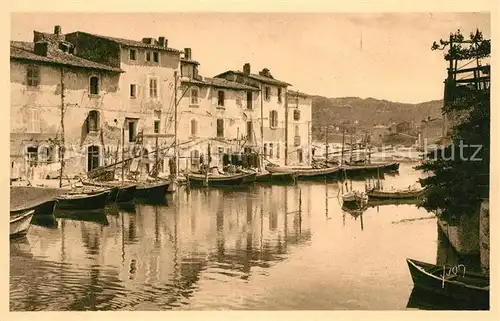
x,y
176,148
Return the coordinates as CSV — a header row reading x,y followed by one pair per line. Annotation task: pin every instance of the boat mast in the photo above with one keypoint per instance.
x,y
343,142
326,145
123,154
62,143
176,148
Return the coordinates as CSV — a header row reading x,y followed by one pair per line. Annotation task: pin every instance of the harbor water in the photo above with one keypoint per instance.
x,y
256,248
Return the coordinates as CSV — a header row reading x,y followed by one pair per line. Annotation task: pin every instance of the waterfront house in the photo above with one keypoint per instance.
x,y
46,78
212,113
299,107
146,89
265,109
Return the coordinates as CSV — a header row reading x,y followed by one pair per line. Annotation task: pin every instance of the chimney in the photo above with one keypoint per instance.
x,y
41,48
161,41
246,69
57,30
187,53
147,41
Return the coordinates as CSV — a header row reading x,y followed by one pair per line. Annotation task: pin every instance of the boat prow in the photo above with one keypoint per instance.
x,y
20,223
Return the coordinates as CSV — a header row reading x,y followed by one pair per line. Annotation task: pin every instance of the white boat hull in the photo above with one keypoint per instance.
x,y
20,224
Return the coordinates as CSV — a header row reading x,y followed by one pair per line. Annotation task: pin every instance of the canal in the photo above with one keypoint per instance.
x,y
257,248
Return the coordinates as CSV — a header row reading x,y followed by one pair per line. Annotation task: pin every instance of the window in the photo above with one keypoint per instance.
x,y
94,85
265,150
93,121
194,127
279,94
271,150
156,56
273,119
249,131
33,121
148,56
33,76
194,96
195,158
133,91
132,54
249,99
267,92
220,127
156,122
132,126
92,157
46,154
220,100
296,114
153,88
32,156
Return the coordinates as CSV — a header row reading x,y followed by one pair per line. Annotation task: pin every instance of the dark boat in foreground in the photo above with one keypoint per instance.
x,y
155,191
453,282
40,199
83,201
125,191
221,180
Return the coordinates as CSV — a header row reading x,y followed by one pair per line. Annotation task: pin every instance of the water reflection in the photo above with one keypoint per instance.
x,y
251,248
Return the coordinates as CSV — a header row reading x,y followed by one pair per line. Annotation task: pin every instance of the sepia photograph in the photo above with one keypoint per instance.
x,y
247,161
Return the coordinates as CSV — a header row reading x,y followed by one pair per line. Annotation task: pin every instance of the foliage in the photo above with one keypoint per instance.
x,y
461,49
459,174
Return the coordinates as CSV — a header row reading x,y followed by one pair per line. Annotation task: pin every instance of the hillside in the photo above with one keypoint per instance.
x,y
368,112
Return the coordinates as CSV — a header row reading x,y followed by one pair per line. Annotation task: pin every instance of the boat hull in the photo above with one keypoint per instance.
x,y
125,192
91,201
396,195
20,223
222,181
307,174
152,192
456,289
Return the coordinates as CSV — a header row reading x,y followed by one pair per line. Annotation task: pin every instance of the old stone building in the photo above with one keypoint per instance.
x,y
47,79
299,128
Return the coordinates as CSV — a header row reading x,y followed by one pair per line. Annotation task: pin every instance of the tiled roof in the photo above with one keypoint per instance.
x,y
295,93
219,83
260,78
131,43
25,51
190,61
223,83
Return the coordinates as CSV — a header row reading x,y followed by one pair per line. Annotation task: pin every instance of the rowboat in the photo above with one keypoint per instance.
x,y
125,191
221,180
453,282
398,194
306,173
82,200
20,223
354,199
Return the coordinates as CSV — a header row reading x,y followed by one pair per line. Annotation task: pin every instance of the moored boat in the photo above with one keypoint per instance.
x,y
397,194
354,199
221,180
154,191
83,201
20,223
125,191
40,199
306,173
453,282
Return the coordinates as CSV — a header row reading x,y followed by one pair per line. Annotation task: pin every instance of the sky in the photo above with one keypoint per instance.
x,y
379,55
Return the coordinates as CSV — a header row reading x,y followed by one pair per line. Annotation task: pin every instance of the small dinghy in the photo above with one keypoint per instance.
x,y
20,223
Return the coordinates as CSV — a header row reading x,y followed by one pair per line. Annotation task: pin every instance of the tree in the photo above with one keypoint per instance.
x,y
459,173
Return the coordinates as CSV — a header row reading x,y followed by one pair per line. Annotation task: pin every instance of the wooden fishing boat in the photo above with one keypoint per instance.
x,y
125,191
273,178
82,200
456,284
40,199
354,168
398,194
154,191
306,173
20,223
221,180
